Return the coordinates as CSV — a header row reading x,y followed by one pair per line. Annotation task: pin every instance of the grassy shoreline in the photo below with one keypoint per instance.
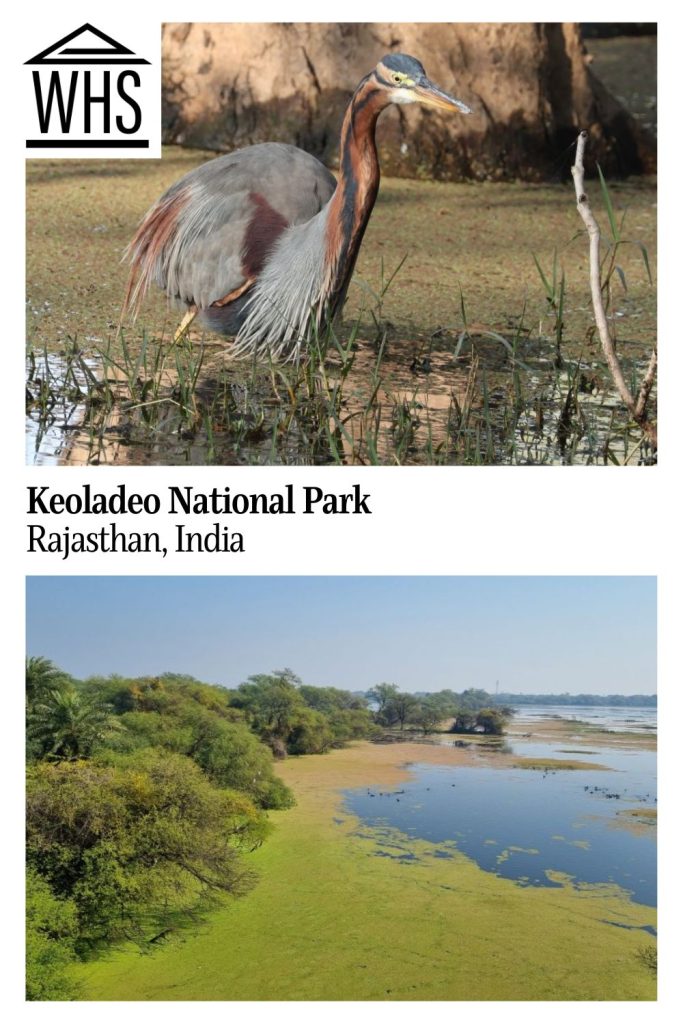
x,y
331,920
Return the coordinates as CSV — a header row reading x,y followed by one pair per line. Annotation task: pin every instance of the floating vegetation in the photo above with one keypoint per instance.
x,y
552,765
648,814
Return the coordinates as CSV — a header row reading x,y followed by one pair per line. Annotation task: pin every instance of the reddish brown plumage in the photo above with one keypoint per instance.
x,y
263,230
155,231
356,192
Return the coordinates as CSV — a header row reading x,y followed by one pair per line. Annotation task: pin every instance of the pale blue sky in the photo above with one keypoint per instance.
x,y
533,634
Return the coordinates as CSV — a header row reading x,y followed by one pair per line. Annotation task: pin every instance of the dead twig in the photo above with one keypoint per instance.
x,y
646,387
637,407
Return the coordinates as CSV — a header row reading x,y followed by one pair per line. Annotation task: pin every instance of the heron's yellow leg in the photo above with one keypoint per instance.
x,y
184,324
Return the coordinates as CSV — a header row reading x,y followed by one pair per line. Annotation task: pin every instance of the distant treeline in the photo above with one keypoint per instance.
x,y
470,710
612,700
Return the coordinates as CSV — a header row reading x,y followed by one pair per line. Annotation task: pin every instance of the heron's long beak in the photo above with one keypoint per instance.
x,y
430,94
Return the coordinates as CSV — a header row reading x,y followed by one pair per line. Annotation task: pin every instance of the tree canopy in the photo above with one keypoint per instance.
x,y
133,844
143,795
296,719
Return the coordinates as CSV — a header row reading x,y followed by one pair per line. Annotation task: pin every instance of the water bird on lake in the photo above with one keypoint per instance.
x,y
261,243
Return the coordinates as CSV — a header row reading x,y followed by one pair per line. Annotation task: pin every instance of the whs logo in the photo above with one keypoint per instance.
x,y
91,96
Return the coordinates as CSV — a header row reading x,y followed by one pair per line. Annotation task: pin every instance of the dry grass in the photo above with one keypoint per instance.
x,y
478,238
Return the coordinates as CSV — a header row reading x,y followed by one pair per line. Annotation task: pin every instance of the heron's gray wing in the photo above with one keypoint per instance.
x,y
210,233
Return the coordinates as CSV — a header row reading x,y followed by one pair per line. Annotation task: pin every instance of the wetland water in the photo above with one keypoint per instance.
x,y
412,404
532,826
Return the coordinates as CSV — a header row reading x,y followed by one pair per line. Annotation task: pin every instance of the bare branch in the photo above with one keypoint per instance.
x,y
636,407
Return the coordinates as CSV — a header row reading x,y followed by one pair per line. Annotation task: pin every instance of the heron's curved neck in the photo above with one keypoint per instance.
x,y
351,205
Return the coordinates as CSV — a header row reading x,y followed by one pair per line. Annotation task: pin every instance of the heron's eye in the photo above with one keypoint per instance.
x,y
397,78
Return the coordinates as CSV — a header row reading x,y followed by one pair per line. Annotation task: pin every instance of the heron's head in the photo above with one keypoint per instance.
x,y
404,80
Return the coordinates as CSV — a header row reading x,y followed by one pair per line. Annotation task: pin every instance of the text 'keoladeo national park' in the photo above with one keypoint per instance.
x,y
190,501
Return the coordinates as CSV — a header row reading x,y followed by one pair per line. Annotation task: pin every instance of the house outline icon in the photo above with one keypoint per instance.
x,y
65,70
112,53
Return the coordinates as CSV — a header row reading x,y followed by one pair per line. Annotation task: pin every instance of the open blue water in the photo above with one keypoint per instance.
x,y
521,824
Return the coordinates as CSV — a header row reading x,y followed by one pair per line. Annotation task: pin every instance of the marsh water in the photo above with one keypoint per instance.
x,y
409,402
611,719
537,827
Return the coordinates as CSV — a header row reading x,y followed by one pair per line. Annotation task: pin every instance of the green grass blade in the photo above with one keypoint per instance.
x,y
607,199
546,284
387,286
646,261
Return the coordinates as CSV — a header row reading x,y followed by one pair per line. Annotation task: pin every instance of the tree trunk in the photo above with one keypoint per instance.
x,y
278,746
529,85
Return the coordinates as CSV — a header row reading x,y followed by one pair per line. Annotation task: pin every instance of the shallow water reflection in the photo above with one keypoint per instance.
x,y
412,402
